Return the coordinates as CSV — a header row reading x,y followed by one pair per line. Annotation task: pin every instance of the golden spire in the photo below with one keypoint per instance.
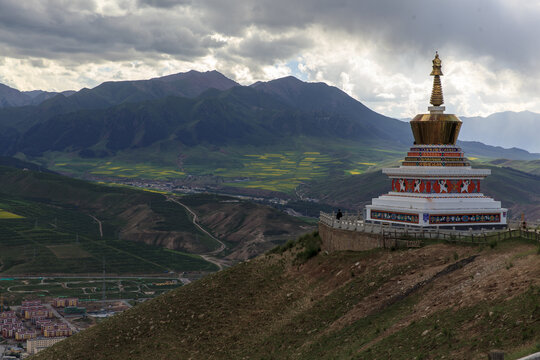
x,y
436,93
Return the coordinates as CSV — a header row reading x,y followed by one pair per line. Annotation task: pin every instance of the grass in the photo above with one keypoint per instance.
x,y
8,215
342,305
510,324
69,251
280,167
54,238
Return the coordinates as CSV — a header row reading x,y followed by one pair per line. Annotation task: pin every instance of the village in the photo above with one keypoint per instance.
x,y
35,325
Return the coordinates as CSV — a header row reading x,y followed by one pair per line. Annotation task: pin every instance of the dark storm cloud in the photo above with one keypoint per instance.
x,y
55,31
61,29
269,50
504,30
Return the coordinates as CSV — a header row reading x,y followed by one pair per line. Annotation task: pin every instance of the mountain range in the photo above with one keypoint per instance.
x,y
204,124
195,107
10,97
507,129
191,108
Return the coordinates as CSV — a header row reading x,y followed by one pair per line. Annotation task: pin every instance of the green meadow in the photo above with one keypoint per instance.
x,y
114,168
275,168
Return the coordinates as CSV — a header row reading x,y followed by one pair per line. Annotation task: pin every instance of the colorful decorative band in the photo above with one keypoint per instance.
x,y
412,196
436,148
421,163
441,159
394,216
435,154
440,186
464,218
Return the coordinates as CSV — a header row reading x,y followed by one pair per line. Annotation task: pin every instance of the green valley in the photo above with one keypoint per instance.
x,y
52,224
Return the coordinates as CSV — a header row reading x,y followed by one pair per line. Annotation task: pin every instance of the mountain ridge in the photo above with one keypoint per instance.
x,y
508,129
307,97
10,97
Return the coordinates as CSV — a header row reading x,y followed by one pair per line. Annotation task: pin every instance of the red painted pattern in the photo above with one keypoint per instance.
x,y
440,186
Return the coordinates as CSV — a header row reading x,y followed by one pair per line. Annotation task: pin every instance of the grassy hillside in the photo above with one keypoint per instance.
x,y
440,300
53,228
44,216
532,166
248,229
125,213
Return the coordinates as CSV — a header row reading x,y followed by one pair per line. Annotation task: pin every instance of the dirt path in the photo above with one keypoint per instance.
x,y
99,224
210,255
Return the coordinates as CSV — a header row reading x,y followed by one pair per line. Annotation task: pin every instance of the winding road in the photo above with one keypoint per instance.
x,y
209,256
99,223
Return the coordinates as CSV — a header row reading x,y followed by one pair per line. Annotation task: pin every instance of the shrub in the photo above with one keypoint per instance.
x,y
280,249
311,244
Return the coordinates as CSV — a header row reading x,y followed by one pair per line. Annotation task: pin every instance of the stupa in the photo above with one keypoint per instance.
x,y
435,185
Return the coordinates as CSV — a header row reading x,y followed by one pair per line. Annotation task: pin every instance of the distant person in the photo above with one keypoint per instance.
x,y
339,215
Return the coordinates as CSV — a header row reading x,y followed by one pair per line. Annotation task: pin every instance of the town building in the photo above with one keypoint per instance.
x,y
33,346
9,331
65,302
56,330
7,315
24,334
10,324
435,186
37,312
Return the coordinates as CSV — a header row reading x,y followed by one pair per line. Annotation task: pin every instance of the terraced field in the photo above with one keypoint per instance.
x,y
278,172
118,169
51,239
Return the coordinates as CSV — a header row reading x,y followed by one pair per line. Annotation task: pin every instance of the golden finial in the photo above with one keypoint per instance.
x,y
436,65
436,93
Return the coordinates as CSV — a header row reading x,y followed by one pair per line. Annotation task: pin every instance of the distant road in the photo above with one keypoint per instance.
x,y
99,224
210,255
61,318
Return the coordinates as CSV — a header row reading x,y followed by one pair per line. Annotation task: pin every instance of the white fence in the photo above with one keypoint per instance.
x,y
354,222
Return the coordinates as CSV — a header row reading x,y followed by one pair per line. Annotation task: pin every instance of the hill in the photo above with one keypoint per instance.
x,y
94,220
241,115
268,137
509,129
189,84
439,300
17,119
248,228
531,166
481,150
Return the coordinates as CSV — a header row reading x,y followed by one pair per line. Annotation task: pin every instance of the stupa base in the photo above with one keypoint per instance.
x,y
459,212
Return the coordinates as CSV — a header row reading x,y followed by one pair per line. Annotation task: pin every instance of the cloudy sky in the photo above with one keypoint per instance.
x,y
378,51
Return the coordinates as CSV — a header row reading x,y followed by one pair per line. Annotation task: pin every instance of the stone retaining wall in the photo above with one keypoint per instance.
x,y
339,240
